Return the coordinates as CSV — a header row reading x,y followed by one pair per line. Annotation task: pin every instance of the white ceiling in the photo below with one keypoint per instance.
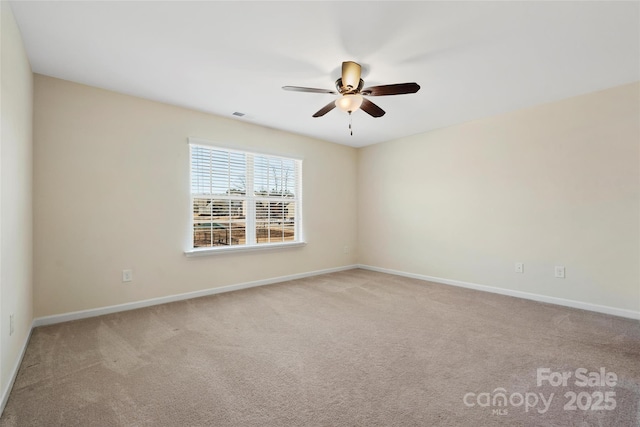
x,y
472,59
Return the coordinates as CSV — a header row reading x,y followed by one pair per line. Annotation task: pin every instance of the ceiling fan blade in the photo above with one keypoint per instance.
x,y
351,74
309,89
324,110
394,89
371,108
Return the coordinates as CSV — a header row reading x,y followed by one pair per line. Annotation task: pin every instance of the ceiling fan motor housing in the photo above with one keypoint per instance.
x,y
348,89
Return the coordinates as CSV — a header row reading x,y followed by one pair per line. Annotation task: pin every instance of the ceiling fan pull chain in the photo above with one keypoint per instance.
x,y
350,129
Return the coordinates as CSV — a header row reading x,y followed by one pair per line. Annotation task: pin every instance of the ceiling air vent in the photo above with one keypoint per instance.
x,y
237,114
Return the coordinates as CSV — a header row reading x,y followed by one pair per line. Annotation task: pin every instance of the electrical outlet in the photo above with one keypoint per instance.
x,y
346,249
559,272
11,324
519,267
127,275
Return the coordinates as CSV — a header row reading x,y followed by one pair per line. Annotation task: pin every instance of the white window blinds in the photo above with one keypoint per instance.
x,y
242,198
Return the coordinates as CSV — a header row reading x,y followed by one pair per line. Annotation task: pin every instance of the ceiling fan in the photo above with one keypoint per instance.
x,y
349,86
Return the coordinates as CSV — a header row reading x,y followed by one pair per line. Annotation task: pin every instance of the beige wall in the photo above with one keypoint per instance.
x,y
557,184
16,110
112,192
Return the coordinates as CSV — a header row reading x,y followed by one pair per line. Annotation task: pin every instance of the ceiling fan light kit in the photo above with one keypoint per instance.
x,y
349,103
349,86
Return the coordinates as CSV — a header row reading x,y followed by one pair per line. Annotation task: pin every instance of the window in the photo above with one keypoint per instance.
x,y
242,199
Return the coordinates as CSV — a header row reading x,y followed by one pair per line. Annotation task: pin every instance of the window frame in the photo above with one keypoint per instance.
x,y
252,199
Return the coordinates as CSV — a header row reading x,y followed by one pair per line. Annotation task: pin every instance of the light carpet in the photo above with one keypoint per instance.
x,y
354,348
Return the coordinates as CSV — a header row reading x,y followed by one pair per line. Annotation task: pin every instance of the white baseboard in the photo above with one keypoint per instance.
x,y
59,318
631,314
65,317
14,371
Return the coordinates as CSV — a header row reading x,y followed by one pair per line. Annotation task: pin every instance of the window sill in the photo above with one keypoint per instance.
x,y
241,248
